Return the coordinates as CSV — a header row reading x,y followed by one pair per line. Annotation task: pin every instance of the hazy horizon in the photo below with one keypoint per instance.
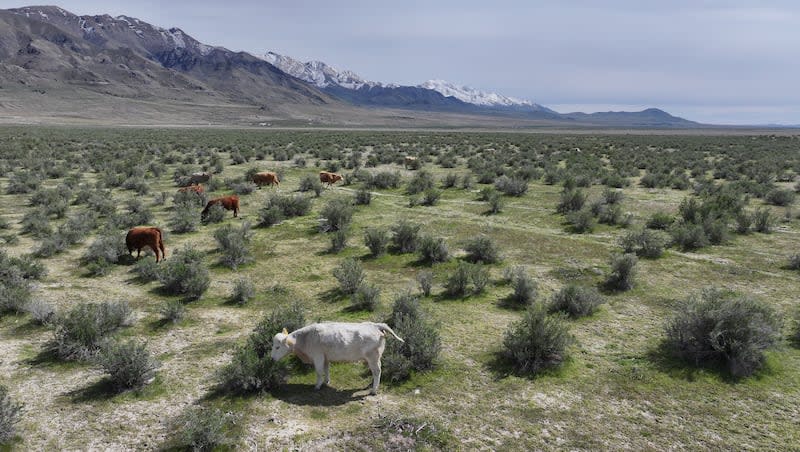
x,y
718,62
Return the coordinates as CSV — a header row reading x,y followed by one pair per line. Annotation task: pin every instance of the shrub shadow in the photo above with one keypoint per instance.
x,y
100,390
501,367
508,302
665,361
332,296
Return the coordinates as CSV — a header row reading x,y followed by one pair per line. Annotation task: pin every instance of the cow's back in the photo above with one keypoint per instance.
x,y
339,341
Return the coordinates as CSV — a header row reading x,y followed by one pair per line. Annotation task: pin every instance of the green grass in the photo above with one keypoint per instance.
x,y
615,391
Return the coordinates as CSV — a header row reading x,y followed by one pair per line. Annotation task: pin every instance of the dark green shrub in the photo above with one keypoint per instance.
x,y
482,249
185,274
581,221
336,215
339,240
511,187
80,332
780,197
744,221
36,222
367,297
763,220
644,243
576,301
421,182
433,249
270,216
146,269
23,181
450,180
376,239
172,311
252,370
660,220
467,182
688,236
571,200
537,341
243,291
185,218
290,317
190,198
623,272
383,180
425,281
15,292
215,214
612,197
525,288
10,415
106,249
715,327
363,197
350,275
422,342
794,262
311,182
234,244
611,214
457,284
202,429
405,236
495,202
479,276
128,364
430,197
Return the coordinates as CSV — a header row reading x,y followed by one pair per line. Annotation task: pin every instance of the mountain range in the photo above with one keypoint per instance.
x,y
58,66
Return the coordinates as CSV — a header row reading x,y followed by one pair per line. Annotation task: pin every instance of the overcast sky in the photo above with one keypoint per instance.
x,y
733,62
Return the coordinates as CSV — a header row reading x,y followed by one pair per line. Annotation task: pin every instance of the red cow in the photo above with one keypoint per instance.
x,y
228,202
329,178
193,188
142,236
266,178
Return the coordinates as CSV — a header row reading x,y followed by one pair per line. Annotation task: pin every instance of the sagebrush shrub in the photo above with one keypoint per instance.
x,y
185,274
623,272
41,311
234,244
172,311
495,202
794,262
146,269
525,289
571,200
644,243
425,281
405,236
422,180
214,214
350,275
376,239
581,221
433,249
36,222
466,278
15,292
80,332
383,180
763,220
688,236
537,341
577,301
185,218
127,363
511,186
311,182
660,220
422,341
280,206
430,197
780,197
202,429
250,371
336,215
10,415
367,297
243,291
718,327
107,248
339,240
363,197
482,249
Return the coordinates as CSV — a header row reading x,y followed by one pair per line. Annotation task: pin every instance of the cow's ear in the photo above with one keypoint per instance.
x,y
290,341
284,331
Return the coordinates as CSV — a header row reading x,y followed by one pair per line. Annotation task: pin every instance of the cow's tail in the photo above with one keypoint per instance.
x,y
161,244
385,328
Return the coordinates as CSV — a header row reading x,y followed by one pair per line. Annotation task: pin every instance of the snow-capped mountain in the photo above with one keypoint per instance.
x,y
476,97
317,73
324,76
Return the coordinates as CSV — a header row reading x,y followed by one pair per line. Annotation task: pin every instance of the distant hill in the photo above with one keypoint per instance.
x,y
57,66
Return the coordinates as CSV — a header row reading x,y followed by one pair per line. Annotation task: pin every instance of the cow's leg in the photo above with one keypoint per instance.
x,y
374,362
327,381
319,367
138,252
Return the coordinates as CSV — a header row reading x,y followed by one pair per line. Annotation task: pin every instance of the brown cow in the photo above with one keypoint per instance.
x,y
142,236
198,189
228,202
196,178
329,178
266,178
410,161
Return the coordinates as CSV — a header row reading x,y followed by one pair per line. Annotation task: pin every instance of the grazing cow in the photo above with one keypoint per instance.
x,y
410,161
323,343
198,189
266,178
228,202
196,178
329,178
142,236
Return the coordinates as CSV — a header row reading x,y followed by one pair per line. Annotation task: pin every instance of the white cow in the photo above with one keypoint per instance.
x,y
323,343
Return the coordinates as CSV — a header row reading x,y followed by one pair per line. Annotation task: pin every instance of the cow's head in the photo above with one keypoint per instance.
x,y
281,345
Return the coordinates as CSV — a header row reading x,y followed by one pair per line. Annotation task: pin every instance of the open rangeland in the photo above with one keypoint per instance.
x,y
549,203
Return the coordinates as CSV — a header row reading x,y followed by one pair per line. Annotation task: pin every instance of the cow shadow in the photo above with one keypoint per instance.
x,y
306,395
100,390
